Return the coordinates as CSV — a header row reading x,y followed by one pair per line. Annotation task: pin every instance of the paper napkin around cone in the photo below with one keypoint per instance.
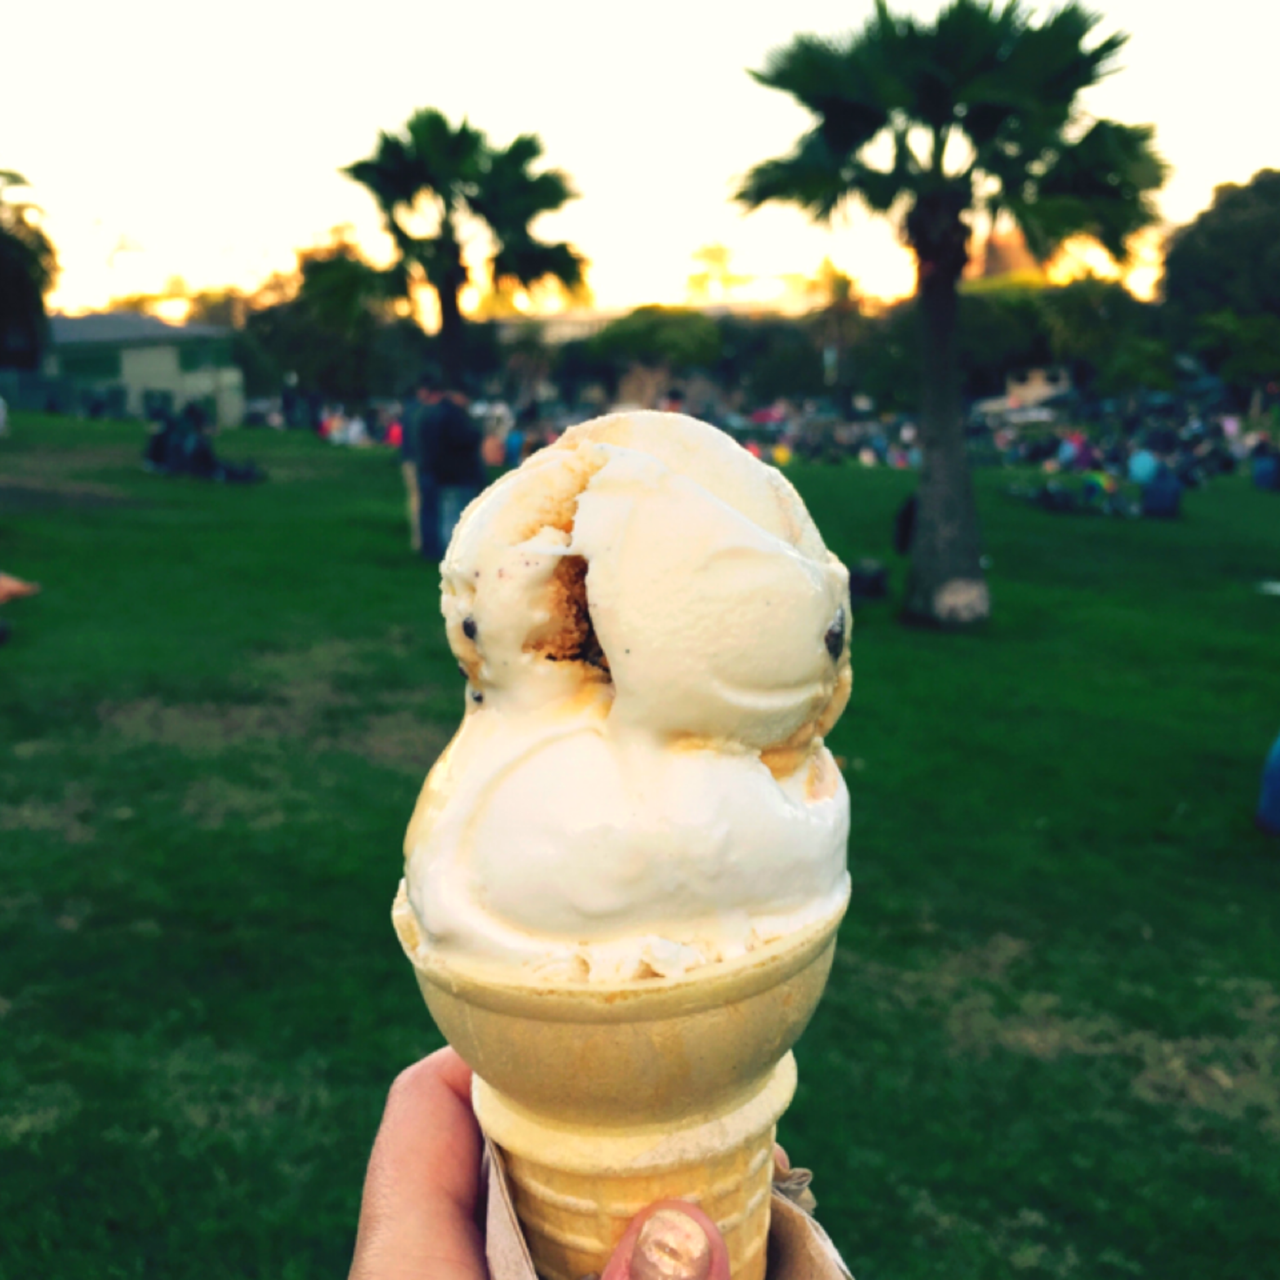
x,y
799,1249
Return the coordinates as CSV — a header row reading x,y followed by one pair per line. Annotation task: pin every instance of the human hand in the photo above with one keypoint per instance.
x,y
12,588
418,1216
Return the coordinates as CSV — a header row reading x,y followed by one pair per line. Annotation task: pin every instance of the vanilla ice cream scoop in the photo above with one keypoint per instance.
x,y
655,641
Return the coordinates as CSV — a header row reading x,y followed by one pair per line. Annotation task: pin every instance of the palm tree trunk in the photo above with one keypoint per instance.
x,y
452,337
448,276
945,587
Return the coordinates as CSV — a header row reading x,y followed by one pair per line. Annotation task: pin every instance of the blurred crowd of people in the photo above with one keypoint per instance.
x,y
1133,466
1160,459
1196,449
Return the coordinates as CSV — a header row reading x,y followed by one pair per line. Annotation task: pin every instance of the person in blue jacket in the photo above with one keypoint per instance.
x,y
1269,801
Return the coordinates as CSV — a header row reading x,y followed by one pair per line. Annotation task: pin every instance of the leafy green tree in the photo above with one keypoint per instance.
x,y
508,198
228,307
578,368
1227,258
1135,363
674,339
1243,350
999,331
28,270
333,325
454,177
886,359
978,112
341,290
1089,321
1100,331
770,357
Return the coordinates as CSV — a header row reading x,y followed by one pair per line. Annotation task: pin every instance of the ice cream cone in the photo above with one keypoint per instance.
x,y
577,1188
604,1097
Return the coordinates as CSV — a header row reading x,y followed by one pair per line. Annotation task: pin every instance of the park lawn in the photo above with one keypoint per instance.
x,y
1051,1042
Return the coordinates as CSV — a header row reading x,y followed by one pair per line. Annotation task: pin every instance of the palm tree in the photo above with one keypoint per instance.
x,y
461,178
28,269
977,113
509,197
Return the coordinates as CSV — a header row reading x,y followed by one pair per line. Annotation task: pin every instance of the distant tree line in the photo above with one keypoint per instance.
x,y
337,327
1222,283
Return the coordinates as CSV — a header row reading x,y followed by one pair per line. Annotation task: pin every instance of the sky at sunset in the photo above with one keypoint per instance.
x,y
165,139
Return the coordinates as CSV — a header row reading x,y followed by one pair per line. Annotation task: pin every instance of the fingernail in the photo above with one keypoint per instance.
x,y
671,1246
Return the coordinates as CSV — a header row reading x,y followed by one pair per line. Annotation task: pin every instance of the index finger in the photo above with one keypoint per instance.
x,y
417,1217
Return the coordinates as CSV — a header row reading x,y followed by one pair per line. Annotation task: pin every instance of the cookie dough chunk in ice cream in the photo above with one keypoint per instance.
x,y
655,641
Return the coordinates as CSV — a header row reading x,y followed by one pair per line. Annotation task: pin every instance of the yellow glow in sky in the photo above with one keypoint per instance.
x,y
166,139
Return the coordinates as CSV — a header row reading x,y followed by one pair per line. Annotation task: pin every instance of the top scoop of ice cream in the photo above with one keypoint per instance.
x,y
655,641
650,552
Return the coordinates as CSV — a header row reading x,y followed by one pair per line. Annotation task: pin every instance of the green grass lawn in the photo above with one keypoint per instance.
x,y
1051,1043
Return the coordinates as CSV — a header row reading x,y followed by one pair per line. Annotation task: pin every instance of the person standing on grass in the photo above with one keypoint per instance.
x,y
422,423
1268,815
409,437
459,467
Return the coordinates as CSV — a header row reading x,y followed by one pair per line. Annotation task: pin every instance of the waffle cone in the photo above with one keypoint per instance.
x,y
575,1189
604,1098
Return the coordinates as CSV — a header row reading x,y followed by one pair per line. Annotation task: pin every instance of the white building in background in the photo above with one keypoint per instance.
x,y
154,365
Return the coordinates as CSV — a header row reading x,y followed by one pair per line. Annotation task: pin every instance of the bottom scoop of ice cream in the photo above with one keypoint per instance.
x,y
655,641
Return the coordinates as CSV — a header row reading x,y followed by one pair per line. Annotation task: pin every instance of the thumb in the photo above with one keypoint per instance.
x,y
670,1240
417,1217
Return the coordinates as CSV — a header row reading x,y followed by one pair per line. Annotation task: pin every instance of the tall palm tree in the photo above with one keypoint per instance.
x,y
28,270
977,112
509,197
460,177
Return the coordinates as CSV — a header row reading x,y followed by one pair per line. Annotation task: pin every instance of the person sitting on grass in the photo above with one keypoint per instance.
x,y
1162,494
181,446
459,469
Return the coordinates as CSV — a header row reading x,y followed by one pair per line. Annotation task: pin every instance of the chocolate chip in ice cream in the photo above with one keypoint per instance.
x,y
469,628
834,638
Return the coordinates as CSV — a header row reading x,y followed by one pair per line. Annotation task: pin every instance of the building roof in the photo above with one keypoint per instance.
x,y
126,328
